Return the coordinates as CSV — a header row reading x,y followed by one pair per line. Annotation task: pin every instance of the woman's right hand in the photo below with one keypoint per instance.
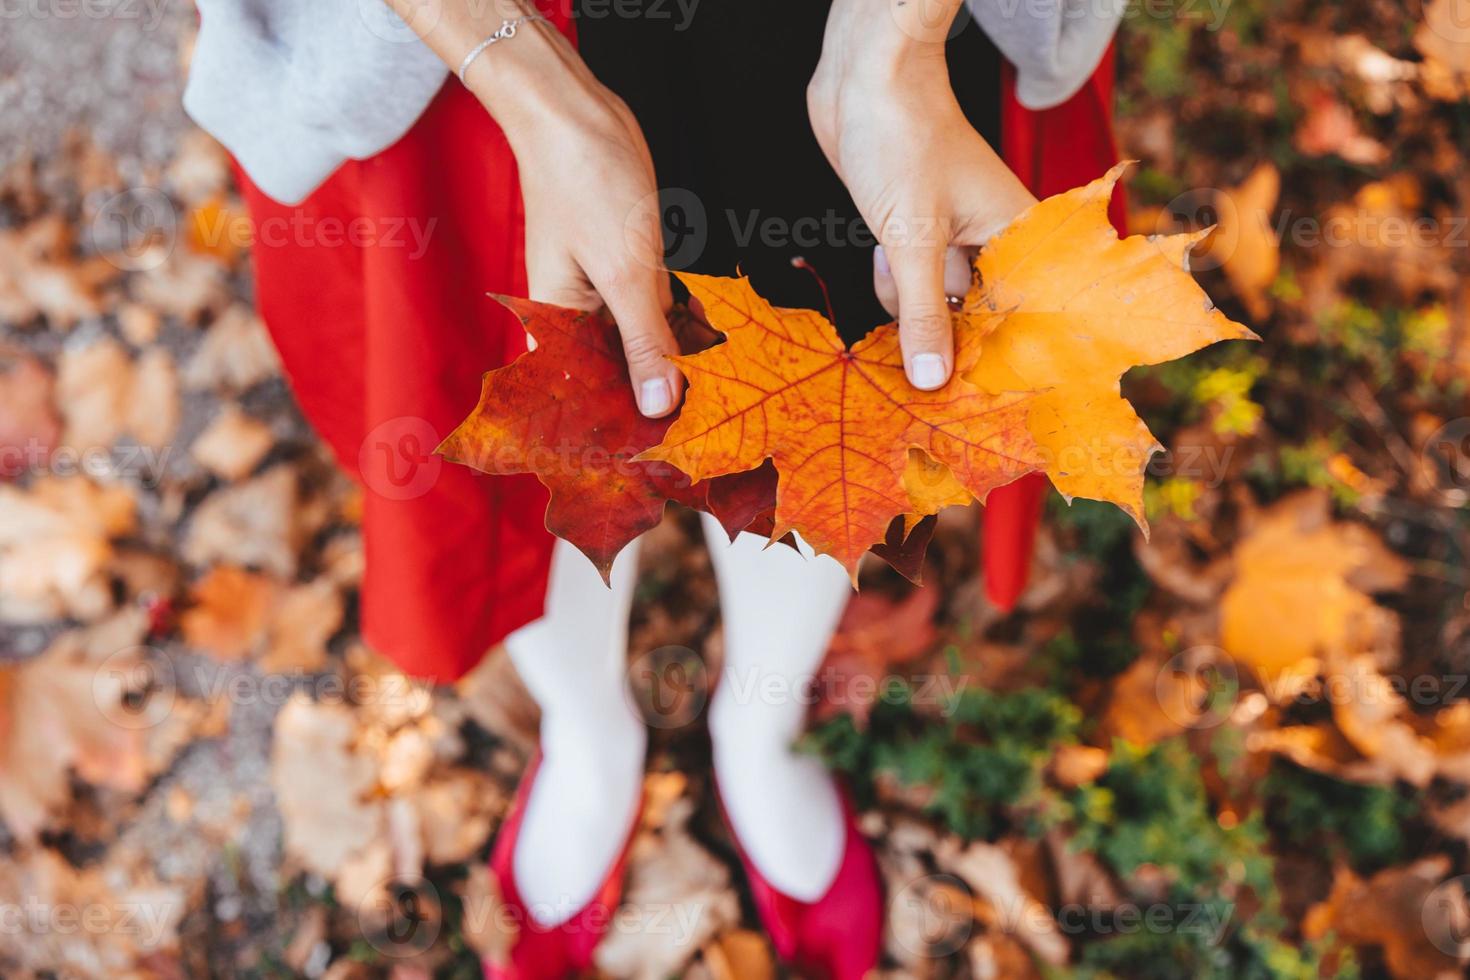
x,y
593,232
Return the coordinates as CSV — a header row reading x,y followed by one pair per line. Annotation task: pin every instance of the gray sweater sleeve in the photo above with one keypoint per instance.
x,y
293,88
1055,45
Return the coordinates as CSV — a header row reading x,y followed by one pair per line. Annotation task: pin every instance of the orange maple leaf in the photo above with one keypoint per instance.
x,y
1066,307
839,424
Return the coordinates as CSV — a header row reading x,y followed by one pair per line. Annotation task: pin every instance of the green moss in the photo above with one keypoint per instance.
x,y
983,755
1365,825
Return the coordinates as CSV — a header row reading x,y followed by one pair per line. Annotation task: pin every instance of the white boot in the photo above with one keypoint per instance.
x,y
780,610
585,800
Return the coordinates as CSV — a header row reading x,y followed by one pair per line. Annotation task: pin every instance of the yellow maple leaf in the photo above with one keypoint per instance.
x,y
1065,308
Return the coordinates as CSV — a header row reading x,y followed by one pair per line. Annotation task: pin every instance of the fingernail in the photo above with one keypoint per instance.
x,y
926,371
654,397
880,260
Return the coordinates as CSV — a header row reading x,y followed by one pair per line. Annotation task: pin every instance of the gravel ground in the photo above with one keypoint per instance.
x,y
109,68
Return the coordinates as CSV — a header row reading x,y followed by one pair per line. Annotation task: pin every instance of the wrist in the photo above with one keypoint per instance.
x,y
886,37
876,49
529,83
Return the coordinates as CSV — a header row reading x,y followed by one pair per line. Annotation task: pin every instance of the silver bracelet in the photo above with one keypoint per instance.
x,y
506,31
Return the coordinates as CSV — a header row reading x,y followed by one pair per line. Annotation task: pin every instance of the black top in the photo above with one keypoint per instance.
x,y
719,87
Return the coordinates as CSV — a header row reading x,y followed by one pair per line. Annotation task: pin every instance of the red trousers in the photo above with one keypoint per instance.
x,y
374,290
1051,151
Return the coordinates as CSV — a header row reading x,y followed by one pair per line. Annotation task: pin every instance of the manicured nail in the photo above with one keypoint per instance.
x,y
880,260
655,397
926,371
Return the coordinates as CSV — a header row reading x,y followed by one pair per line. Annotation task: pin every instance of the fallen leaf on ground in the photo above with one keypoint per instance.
x,y
304,619
230,609
1394,909
256,523
59,717
232,444
94,387
993,874
99,923
323,786
153,403
56,547
1444,40
876,635
671,878
29,425
1296,596
235,354
1245,243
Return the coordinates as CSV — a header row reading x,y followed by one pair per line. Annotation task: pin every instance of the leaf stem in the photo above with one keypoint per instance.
x,y
801,263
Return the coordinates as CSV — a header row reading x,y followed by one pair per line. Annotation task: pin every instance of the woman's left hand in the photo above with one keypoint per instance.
x,y
926,183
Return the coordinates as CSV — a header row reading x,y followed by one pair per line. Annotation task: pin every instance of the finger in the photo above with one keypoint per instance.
x,y
958,263
554,277
638,299
923,314
883,284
